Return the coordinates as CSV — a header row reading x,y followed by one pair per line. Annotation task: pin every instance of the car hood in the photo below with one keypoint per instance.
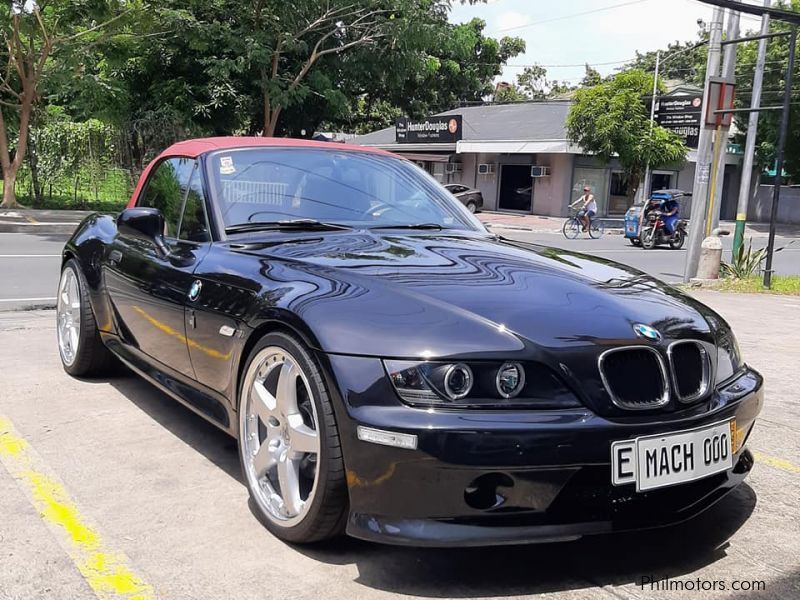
x,y
464,294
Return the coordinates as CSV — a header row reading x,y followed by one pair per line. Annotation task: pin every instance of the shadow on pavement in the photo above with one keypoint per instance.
x,y
614,560
592,561
216,445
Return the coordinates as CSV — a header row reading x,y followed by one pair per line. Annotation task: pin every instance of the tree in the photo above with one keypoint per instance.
x,y
533,82
591,77
772,95
33,32
684,61
611,120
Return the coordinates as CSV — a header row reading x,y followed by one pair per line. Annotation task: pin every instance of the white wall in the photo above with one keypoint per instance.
x,y
551,194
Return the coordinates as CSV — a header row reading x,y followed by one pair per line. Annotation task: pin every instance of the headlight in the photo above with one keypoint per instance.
x,y
478,384
729,358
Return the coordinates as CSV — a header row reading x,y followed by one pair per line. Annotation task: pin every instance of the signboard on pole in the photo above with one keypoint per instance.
x,y
682,115
442,129
721,94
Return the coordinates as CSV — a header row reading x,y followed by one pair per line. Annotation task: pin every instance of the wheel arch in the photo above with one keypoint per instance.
x,y
293,326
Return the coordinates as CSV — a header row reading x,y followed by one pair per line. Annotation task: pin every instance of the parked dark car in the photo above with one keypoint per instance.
x,y
469,197
393,370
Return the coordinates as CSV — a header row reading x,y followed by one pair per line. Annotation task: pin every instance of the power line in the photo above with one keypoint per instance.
x,y
579,14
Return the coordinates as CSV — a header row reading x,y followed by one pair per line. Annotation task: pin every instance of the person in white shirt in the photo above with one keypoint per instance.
x,y
589,208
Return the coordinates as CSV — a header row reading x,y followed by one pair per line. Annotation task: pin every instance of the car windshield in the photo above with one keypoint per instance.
x,y
293,186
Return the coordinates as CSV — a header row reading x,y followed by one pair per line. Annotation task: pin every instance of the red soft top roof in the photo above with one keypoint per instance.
x,y
196,147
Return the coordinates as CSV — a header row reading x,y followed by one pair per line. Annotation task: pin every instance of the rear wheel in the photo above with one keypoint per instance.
x,y
571,228
676,243
289,444
597,229
635,241
649,238
81,350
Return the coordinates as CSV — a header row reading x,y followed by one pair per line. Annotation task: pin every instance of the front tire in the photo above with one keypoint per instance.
x,y
472,207
81,350
571,228
649,238
289,444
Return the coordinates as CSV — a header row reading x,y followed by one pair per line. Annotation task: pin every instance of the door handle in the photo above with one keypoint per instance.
x,y
114,257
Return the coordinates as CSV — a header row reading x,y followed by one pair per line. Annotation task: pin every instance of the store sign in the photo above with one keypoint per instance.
x,y
433,130
681,115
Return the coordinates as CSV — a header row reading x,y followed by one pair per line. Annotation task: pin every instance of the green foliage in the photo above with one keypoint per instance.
x,y
611,120
745,263
774,77
679,61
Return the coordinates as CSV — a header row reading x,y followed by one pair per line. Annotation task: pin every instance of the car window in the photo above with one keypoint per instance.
x,y
165,188
194,224
361,189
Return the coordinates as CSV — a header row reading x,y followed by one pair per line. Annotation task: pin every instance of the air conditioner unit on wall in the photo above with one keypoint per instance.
x,y
485,168
453,168
540,171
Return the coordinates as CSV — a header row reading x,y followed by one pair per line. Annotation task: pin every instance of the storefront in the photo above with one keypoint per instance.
x,y
519,157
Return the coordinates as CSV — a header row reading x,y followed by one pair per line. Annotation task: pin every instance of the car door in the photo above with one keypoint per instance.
x,y
149,288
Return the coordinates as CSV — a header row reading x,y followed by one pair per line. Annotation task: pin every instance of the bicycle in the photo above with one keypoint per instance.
x,y
573,226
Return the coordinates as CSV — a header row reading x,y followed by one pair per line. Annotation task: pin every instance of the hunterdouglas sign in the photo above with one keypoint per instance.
x,y
442,130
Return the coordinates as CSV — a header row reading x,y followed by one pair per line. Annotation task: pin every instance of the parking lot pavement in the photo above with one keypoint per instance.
x,y
161,488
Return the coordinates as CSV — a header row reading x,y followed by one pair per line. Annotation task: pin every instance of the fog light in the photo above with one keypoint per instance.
x,y
458,381
510,380
387,438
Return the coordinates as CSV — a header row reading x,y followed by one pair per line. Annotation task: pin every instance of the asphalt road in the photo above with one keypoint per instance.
x,y
661,262
111,475
29,269
29,262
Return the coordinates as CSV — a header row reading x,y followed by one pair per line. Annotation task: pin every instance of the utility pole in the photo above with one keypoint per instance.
x,y
645,184
721,150
702,172
776,190
752,132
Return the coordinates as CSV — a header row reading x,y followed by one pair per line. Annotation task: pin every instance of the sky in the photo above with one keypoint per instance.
x,y
556,35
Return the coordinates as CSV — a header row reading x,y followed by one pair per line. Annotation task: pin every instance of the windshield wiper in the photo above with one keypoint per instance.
x,y
287,225
434,226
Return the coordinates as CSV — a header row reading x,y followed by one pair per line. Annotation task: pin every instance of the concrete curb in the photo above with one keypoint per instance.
x,y
37,228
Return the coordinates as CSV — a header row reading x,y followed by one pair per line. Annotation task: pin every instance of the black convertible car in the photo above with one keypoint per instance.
x,y
393,370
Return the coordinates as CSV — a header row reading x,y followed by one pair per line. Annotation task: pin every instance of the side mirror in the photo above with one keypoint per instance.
x,y
144,223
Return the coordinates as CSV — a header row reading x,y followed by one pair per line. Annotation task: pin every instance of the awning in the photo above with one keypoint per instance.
x,y
425,157
518,147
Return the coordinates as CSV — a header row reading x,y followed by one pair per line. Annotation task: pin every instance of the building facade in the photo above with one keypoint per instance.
x,y
519,157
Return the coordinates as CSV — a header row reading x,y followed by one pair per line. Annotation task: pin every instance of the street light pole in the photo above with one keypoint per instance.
x,y
644,185
776,190
752,132
702,173
721,149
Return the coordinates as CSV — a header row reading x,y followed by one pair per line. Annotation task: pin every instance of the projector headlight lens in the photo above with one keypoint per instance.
x,y
458,381
510,379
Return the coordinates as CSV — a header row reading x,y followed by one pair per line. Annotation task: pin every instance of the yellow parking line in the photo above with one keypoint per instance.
x,y
108,573
775,462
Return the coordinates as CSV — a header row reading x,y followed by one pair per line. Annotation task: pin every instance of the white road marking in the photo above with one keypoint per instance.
x,y
27,299
29,255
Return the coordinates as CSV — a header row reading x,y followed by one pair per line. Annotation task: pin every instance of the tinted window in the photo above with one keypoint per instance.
x,y
165,188
355,188
194,226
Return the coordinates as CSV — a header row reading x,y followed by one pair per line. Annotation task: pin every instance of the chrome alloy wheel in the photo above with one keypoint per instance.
x,y
68,316
279,436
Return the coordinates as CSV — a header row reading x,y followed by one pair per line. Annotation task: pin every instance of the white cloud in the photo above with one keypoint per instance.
x,y
509,19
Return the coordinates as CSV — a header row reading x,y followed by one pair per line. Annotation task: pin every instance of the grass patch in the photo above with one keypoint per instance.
x,y
789,285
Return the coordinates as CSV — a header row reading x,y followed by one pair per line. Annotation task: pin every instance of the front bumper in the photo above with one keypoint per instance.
x,y
512,477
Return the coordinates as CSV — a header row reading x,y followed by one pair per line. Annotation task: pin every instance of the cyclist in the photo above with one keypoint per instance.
x,y
589,208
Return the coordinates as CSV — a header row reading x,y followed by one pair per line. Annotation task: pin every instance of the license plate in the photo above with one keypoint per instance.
x,y
655,461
